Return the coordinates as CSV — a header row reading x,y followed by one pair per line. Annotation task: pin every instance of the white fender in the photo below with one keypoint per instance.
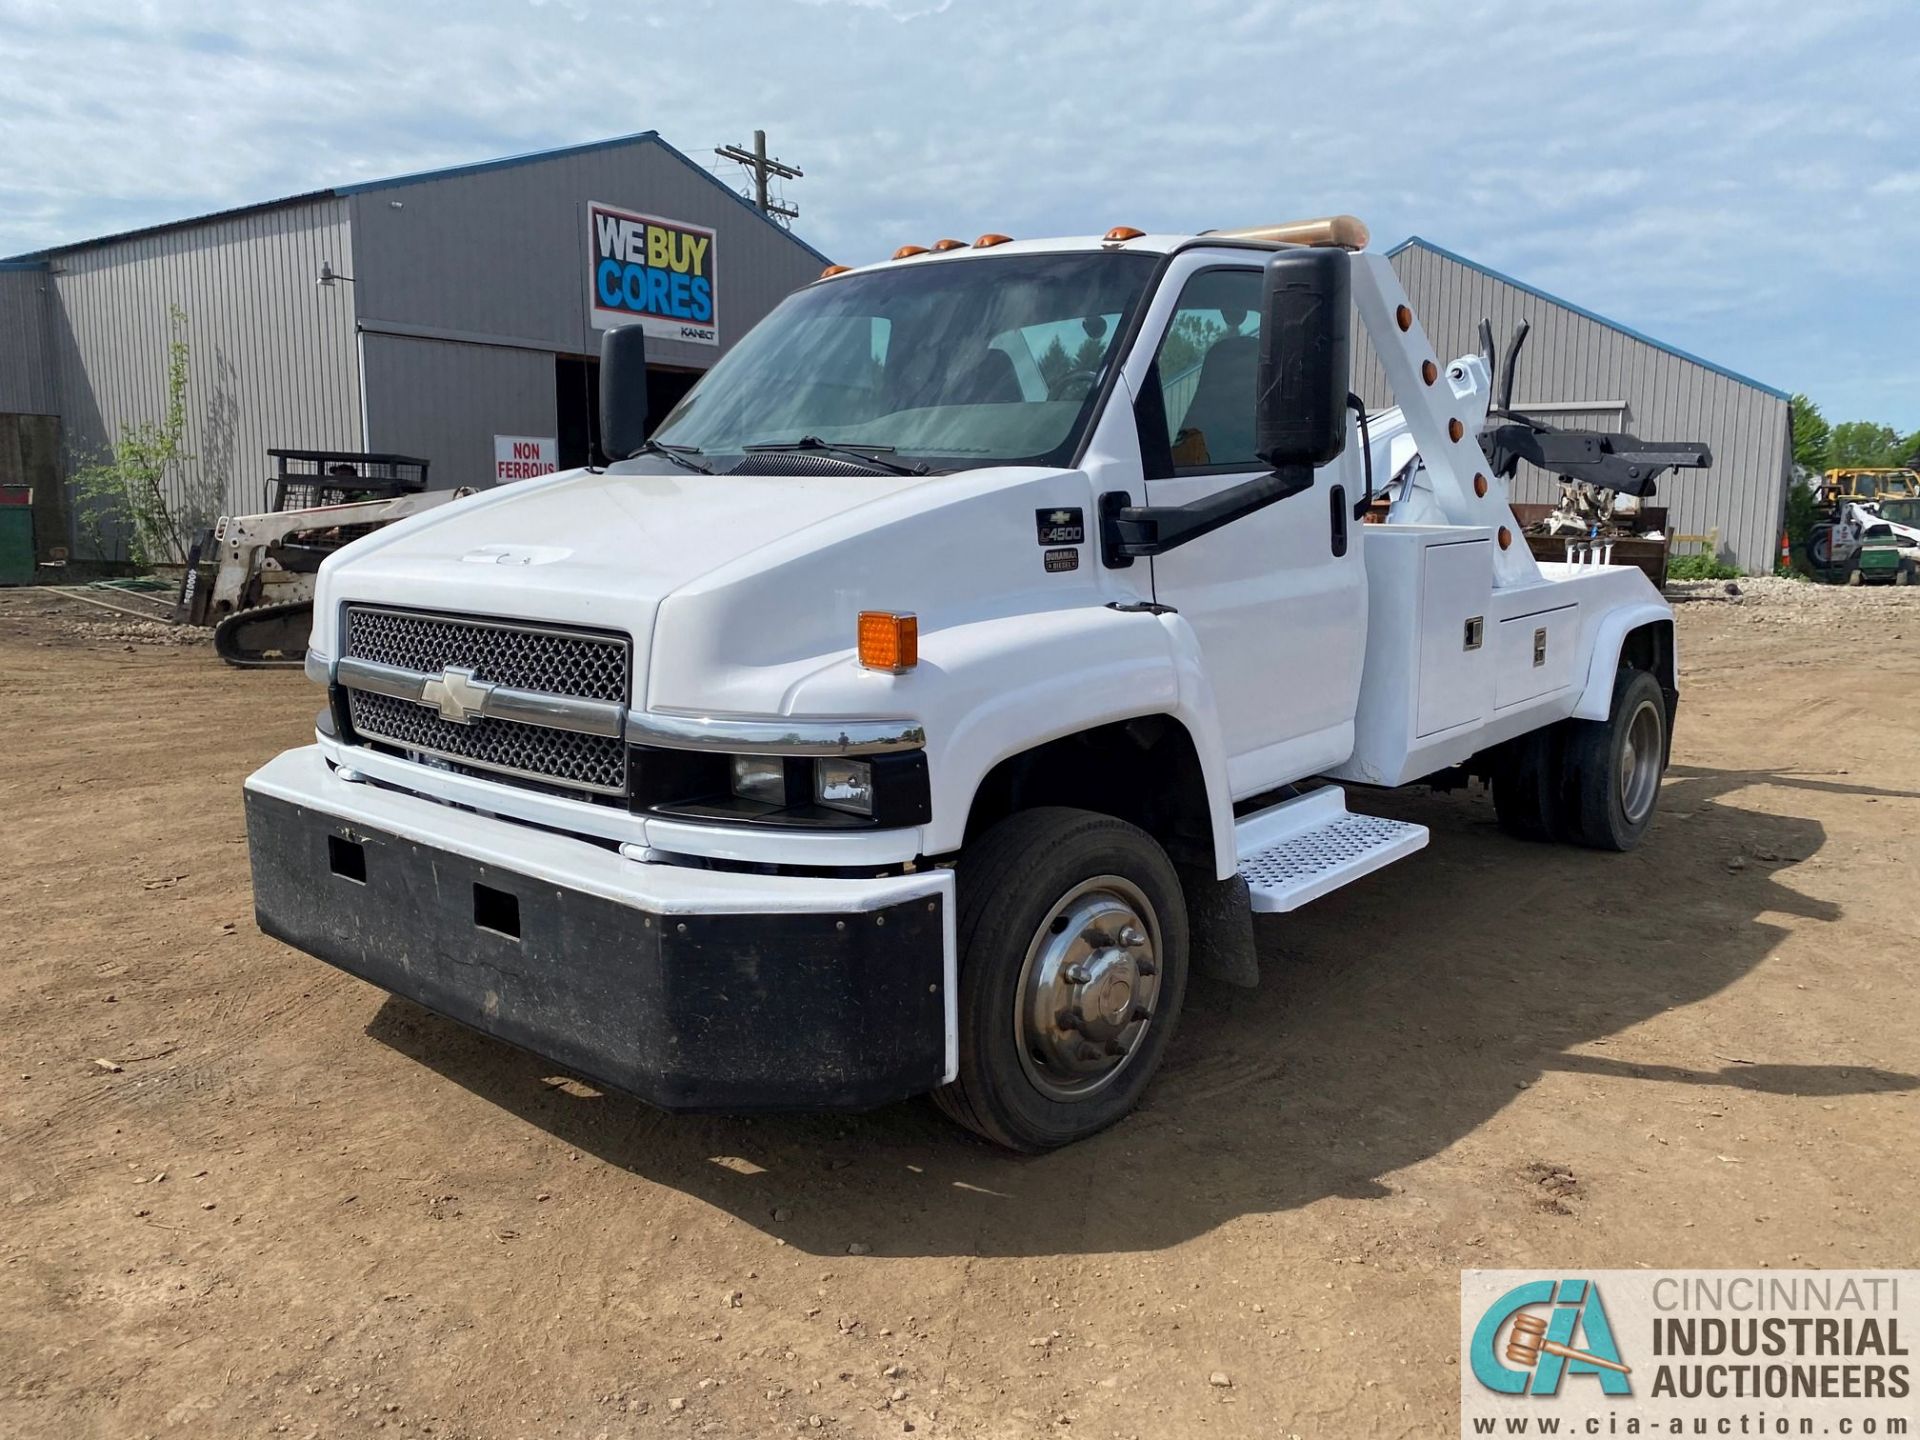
x,y
1596,699
1007,685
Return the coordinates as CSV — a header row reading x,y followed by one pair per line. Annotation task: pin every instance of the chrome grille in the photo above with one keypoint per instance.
x,y
544,659
561,757
527,657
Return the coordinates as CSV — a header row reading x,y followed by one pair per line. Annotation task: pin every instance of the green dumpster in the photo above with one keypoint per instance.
x,y
16,535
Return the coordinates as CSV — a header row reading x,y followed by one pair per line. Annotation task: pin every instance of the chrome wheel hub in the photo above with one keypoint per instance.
x,y
1088,988
1640,762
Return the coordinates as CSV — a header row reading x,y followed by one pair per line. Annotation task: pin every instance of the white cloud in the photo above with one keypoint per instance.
x,y
1734,176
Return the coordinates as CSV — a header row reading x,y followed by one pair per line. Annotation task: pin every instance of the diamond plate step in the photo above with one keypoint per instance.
x,y
1305,848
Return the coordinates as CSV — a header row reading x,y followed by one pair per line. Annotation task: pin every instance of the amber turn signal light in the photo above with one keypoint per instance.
x,y
889,641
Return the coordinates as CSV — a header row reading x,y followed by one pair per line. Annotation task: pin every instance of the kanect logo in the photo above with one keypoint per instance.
x,y
1572,1338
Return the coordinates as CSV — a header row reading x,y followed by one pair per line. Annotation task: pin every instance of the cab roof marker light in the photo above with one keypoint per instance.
x,y
1120,234
833,270
991,238
942,246
905,250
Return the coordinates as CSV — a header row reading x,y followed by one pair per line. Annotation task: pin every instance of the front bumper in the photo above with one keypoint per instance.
x,y
692,989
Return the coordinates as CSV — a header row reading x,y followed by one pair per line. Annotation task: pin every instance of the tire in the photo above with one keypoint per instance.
x,y
1043,892
1854,577
1613,766
1526,787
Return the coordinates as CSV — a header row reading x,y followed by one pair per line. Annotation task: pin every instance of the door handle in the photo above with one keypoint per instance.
x,y
1337,513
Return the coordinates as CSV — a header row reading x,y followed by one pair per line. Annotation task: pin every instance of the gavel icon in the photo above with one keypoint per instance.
x,y
1527,1342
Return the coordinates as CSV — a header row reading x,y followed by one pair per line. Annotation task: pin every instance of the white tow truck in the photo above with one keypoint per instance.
x,y
954,670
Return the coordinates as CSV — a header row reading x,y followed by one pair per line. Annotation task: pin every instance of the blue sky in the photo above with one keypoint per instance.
x,y
1740,178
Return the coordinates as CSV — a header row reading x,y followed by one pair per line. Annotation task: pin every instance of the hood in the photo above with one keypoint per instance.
x,y
598,549
736,589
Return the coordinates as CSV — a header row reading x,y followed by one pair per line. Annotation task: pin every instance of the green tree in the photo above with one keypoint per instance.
x,y
1804,511
1092,351
1055,365
130,485
1863,443
1191,336
1812,436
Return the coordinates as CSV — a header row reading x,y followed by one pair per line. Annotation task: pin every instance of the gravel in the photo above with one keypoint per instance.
x,y
1802,597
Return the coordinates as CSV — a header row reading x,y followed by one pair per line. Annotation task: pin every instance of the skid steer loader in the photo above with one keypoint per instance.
x,y
260,597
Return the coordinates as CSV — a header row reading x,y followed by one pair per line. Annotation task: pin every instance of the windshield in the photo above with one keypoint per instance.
x,y
955,363
1900,512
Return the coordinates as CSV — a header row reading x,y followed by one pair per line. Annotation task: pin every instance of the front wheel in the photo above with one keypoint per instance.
x,y
1073,965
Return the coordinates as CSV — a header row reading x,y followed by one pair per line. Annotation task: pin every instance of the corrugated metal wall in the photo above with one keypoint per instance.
x,y
272,356
26,377
485,272
445,402
1570,356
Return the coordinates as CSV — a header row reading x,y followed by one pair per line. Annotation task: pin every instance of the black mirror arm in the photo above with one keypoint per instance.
x,y
1128,532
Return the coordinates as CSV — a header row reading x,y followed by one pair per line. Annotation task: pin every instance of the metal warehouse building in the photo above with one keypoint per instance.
x,y
452,315
1583,371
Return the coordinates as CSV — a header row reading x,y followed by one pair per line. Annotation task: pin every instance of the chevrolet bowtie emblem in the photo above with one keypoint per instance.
x,y
460,697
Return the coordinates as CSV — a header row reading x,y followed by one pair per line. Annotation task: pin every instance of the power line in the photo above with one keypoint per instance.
x,y
762,168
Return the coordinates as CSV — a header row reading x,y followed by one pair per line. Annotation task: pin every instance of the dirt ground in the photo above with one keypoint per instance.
x,y
244,1194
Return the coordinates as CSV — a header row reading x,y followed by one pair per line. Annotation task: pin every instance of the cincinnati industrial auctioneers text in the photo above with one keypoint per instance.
x,y
1771,1347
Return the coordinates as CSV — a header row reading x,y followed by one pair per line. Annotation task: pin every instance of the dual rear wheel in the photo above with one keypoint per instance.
x,y
1589,782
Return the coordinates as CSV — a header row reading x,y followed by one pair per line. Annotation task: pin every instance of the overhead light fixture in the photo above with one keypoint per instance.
x,y
328,275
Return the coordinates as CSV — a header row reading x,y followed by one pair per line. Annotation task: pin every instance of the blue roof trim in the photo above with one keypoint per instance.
x,y
37,258
734,195
506,162
640,137
23,265
1582,310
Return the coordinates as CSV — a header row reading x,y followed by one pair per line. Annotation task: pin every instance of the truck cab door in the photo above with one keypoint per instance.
x,y
1278,598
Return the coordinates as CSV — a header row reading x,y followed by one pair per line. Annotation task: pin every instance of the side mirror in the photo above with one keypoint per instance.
x,y
1306,329
623,391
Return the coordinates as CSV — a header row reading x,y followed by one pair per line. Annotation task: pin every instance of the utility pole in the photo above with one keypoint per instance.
x,y
763,168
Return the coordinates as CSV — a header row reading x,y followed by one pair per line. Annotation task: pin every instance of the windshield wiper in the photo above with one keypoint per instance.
x,y
872,454
676,453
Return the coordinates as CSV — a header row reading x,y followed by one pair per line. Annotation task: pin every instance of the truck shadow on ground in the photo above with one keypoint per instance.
x,y
1393,1018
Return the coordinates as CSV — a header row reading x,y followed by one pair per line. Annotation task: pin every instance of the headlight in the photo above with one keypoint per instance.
x,y
801,791
759,777
844,785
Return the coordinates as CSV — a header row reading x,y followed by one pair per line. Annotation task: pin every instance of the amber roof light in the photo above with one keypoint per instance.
x,y
991,238
905,250
1120,234
945,245
833,270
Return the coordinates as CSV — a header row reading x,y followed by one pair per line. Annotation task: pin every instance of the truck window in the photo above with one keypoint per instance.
x,y
1206,371
977,361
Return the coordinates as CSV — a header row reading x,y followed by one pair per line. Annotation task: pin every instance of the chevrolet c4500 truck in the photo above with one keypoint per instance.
x,y
955,670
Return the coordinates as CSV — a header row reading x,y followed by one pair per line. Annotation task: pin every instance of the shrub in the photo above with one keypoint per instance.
x,y
1700,567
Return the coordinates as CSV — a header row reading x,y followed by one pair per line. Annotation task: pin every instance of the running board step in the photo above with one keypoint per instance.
x,y
1302,849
